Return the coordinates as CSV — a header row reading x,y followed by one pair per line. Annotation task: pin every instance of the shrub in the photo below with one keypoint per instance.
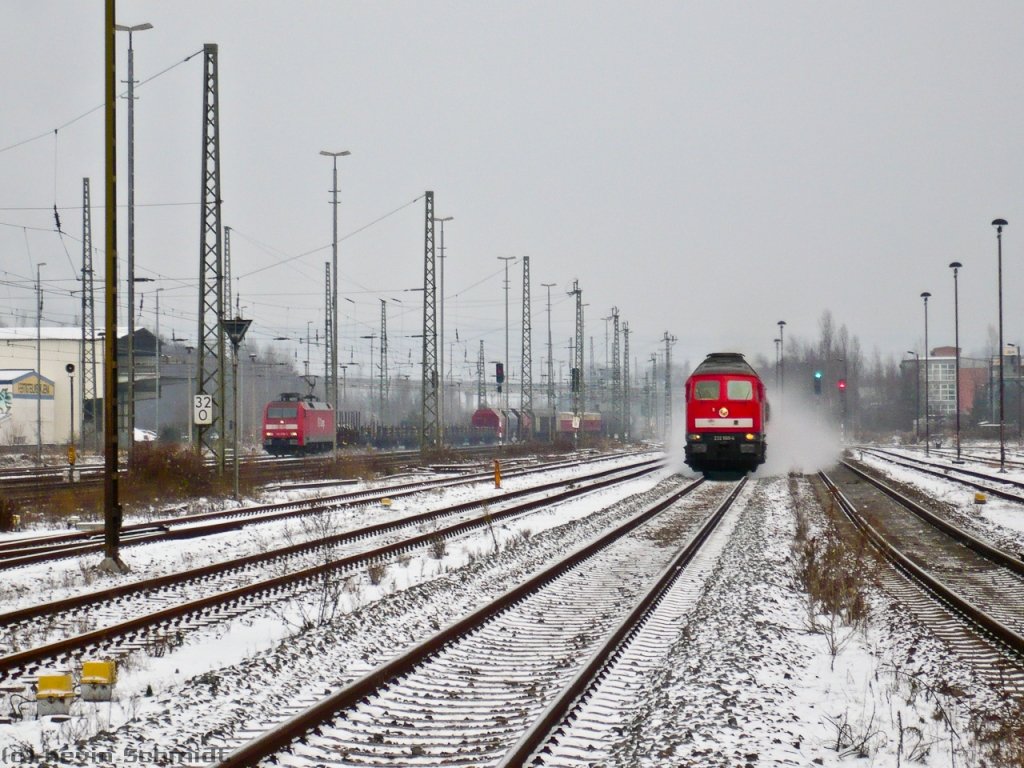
x,y
160,472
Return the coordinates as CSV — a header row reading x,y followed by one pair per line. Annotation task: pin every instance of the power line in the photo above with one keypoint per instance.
x,y
97,107
78,207
319,248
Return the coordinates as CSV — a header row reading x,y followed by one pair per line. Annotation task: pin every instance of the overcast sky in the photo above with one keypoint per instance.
x,y
709,168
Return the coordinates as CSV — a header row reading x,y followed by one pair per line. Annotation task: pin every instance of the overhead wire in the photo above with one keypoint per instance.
x,y
353,233
97,107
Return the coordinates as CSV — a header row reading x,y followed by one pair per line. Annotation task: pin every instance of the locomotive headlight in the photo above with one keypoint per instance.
x,y
694,437
749,435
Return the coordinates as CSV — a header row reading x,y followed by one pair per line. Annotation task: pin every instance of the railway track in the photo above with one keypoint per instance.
x,y
508,672
979,455
969,592
32,487
1002,487
123,620
28,551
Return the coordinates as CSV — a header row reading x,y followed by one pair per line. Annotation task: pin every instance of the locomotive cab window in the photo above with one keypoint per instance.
x,y
706,390
282,412
739,390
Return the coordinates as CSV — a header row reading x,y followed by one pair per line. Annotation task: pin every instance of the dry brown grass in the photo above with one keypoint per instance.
x,y
7,512
835,568
1002,736
833,574
160,473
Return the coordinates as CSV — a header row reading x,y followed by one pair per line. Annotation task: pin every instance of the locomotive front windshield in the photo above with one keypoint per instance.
x,y
707,390
739,390
735,389
282,412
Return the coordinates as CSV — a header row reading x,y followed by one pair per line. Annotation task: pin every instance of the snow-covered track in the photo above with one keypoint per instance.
x,y
177,615
639,635
1002,487
974,453
969,579
465,695
36,550
29,488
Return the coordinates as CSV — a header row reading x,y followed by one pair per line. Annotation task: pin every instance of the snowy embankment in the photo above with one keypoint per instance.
x,y
752,678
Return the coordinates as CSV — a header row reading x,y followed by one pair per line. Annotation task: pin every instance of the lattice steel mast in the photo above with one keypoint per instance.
x,y
526,399
481,394
625,382
328,329
578,384
88,357
616,376
429,430
669,341
383,362
227,273
551,370
210,338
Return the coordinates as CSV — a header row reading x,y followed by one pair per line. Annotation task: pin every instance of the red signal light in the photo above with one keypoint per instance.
x,y
841,384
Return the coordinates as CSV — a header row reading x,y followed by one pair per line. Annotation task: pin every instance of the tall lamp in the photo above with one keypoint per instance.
x,y
917,400
956,266
999,224
927,427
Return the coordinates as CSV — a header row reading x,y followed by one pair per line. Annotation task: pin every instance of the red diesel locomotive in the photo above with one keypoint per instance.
x,y
726,412
293,424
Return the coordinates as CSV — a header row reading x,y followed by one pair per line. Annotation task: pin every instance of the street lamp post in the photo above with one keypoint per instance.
x,y
1019,392
956,266
507,259
927,433
1016,357
777,343
999,224
917,399
70,368
39,363
440,347
158,362
782,358
331,385
252,400
131,227
551,372
844,411
188,352
235,330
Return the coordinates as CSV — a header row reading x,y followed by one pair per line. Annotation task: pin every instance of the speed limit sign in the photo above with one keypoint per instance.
x,y
202,410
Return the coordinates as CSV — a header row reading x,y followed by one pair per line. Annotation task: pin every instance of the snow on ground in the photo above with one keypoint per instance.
x,y
205,655
999,521
57,579
746,683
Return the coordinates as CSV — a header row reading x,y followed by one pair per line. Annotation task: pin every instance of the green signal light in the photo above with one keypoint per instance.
x,y
817,374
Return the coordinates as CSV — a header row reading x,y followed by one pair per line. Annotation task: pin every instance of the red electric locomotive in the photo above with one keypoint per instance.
x,y
488,425
726,412
293,424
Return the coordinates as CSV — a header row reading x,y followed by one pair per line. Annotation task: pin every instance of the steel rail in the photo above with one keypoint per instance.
x,y
982,547
1010,639
526,750
106,635
183,528
33,484
279,737
938,470
203,572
